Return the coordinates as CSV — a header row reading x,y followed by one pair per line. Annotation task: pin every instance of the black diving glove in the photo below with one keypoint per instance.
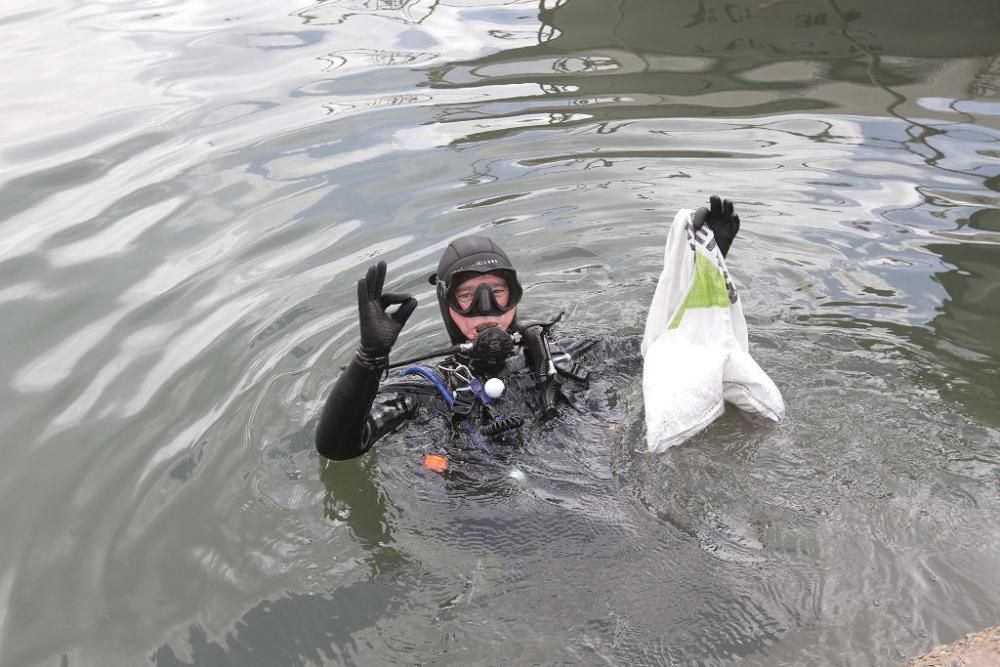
x,y
379,329
721,219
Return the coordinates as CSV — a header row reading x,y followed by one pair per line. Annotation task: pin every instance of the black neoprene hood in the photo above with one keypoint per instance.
x,y
471,254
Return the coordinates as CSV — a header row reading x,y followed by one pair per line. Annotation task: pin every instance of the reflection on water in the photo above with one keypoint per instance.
x,y
965,329
186,210
776,30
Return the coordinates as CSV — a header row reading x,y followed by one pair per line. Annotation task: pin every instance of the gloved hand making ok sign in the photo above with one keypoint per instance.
x,y
379,329
721,219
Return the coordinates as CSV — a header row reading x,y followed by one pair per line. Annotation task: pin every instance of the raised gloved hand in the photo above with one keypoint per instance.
x,y
379,329
721,219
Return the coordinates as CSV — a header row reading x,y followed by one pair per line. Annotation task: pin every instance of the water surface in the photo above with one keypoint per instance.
x,y
189,191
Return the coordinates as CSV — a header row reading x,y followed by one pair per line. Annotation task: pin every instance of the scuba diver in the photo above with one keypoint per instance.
x,y
499,379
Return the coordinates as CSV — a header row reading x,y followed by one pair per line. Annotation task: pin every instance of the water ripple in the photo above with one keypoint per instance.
x,y
191,191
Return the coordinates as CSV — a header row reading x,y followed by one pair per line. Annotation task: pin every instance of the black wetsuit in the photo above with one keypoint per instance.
x,y
588,372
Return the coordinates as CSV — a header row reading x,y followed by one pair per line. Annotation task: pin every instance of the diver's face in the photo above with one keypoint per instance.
x,y
465,292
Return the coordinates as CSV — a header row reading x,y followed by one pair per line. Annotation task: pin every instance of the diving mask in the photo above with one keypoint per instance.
x,y
484,301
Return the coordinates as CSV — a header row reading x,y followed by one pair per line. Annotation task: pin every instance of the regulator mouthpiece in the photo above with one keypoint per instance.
x,y
492,344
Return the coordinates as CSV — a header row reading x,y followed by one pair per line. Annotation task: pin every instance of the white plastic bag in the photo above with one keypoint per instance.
x,y
695,348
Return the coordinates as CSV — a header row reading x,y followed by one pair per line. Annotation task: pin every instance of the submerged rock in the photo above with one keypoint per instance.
x,y
978,649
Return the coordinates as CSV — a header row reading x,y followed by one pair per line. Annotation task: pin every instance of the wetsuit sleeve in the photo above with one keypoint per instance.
x,y
342,433
357,413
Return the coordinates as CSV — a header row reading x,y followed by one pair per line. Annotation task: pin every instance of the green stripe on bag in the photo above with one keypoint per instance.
x,y
707,290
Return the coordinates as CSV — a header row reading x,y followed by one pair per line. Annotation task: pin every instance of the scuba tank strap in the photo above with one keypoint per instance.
x,y
565,361
570,368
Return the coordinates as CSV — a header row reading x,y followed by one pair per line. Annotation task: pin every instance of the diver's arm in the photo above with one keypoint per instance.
x,y
342,432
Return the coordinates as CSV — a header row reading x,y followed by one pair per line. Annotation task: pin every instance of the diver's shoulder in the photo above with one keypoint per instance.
x,y
618,353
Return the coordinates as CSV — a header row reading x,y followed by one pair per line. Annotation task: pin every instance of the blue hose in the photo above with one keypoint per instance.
x,y
434,380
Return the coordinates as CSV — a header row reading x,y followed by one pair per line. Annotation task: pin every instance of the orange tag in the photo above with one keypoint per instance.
x,y
435,462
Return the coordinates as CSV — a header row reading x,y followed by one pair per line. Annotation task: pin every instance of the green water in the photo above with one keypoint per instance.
x,y
188,192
